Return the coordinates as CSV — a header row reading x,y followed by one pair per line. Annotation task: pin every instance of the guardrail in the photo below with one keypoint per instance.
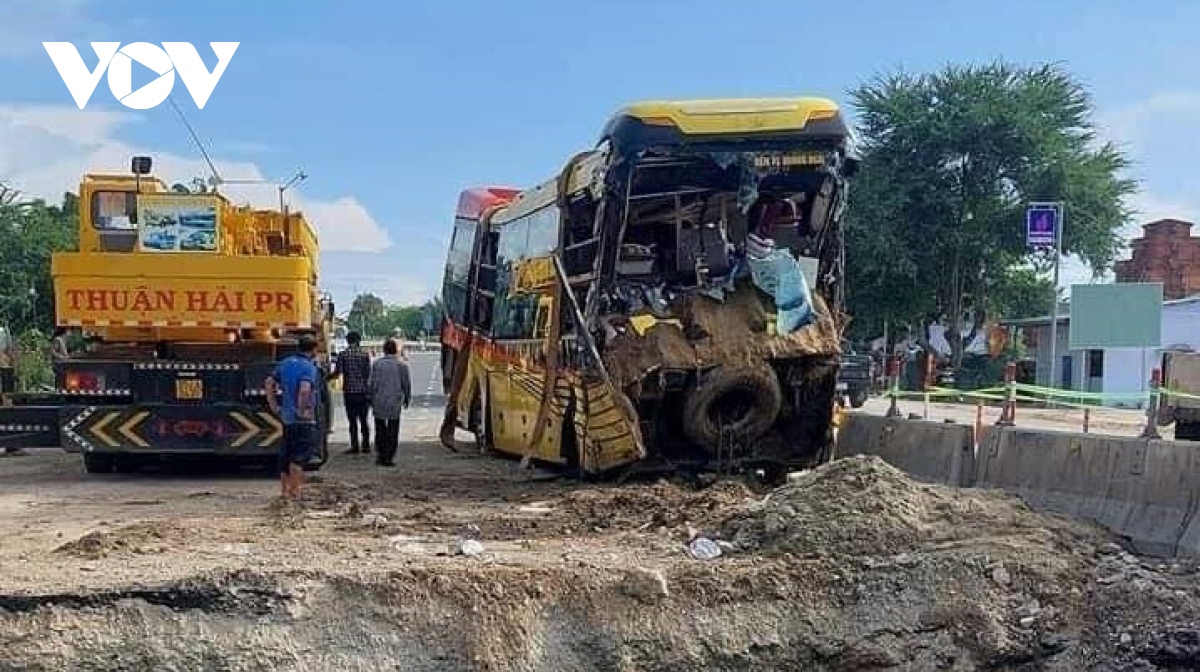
x,y
1011,394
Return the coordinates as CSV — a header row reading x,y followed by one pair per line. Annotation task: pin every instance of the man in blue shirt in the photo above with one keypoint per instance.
x,y
293,395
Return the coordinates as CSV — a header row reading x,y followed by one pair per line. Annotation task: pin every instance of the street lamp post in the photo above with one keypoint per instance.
x,y
287,227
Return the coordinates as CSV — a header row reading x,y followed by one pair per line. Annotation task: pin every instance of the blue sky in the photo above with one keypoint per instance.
x,y
393,107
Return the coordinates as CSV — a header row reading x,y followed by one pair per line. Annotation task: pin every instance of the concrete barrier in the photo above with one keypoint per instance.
x,y
934,452
1147,491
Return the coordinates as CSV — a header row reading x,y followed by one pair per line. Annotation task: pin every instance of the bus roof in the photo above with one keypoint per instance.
x,y
673,121
724,115
474,201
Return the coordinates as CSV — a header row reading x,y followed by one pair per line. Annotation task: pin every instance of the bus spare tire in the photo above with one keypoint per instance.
x,y
743,400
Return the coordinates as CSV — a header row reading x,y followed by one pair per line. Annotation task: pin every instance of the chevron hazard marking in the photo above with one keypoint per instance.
x,y
276,426
97,430
248,425
69,428
127,427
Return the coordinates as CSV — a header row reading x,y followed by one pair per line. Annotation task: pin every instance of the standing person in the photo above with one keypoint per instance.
x,y
391,390
59,350
354,367
295,381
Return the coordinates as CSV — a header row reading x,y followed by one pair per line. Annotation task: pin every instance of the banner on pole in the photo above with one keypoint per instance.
x,y
1041,224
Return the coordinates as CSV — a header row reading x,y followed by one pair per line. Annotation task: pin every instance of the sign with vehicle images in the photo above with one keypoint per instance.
x,y
1041,224
177,223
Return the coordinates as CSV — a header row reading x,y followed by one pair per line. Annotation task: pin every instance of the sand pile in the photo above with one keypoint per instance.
x,y
861,505
140,538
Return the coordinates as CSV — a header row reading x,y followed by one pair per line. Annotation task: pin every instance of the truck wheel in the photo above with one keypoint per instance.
x,y
858,398
741,401
94,463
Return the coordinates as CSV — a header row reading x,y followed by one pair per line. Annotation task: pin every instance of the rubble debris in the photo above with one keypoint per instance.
x,y
1001,576
850,566
645,585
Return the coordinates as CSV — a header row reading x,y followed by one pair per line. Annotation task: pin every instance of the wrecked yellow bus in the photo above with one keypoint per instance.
x,y
672,298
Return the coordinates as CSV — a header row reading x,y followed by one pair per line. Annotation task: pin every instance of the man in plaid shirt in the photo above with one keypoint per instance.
x,y
354,367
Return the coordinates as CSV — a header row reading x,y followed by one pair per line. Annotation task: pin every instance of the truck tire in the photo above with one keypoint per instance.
x,y
859,397
1187,430
98,463
745,401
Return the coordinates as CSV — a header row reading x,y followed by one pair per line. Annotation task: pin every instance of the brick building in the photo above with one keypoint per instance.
x,y
1165,253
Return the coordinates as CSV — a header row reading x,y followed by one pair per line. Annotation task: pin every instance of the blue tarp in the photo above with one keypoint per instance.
x,y
778,273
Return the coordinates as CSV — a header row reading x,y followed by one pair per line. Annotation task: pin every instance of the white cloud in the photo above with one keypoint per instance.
x,y
45,149
392,287
1130,125
1153,132
1151,207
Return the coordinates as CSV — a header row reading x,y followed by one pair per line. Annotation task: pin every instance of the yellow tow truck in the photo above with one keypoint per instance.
x,y
186,301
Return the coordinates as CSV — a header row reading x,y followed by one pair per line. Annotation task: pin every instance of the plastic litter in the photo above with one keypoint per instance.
x,y
470,548
703,548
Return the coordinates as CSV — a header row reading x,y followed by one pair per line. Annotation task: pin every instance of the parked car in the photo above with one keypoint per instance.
x,y
163,239
855,375
199,240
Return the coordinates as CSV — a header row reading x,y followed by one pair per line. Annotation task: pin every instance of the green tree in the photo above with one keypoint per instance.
x,y
950,160
414,320
30,232
1021,292
367,315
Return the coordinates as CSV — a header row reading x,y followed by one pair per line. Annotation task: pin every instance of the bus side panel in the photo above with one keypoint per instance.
x,y
606,427
472,388
515,392
535,434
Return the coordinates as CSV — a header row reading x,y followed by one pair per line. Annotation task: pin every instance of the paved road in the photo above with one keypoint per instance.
x,y
423,417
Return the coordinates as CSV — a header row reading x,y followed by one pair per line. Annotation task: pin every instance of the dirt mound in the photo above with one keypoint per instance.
x,y
862,506
733,331
141,538
662,504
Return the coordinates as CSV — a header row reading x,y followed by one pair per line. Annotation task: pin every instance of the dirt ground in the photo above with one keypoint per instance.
x,y
461,562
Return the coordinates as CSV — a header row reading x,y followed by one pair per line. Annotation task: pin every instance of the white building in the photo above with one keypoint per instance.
x,y
1111,370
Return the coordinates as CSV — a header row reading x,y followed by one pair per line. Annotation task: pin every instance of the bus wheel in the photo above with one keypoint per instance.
x,y
739,402
475,420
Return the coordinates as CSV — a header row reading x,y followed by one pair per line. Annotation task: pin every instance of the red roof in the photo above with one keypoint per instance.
x,y
472,202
